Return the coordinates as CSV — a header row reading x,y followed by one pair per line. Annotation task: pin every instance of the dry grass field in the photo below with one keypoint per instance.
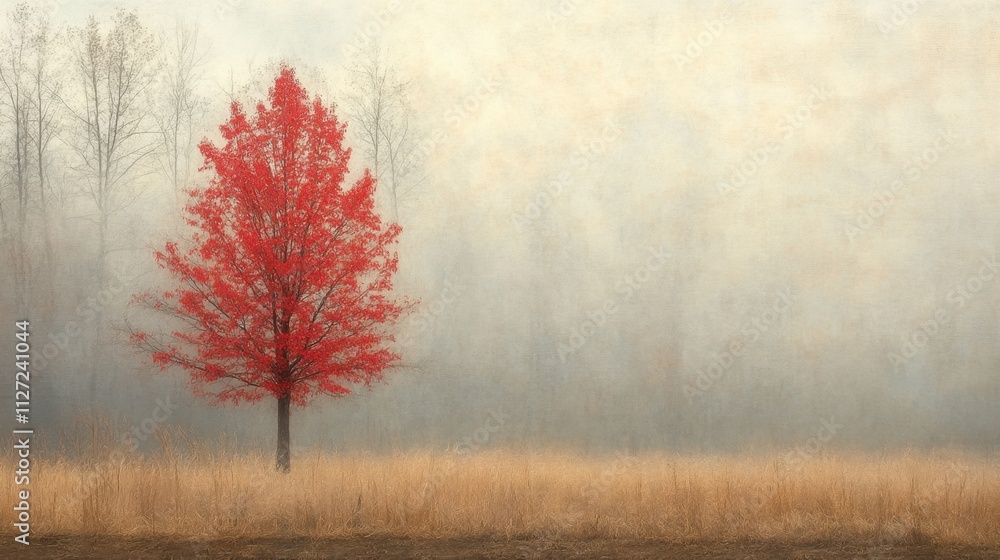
x,y
902,498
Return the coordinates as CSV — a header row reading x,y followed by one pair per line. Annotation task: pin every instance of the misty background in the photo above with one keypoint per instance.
x,y
714,226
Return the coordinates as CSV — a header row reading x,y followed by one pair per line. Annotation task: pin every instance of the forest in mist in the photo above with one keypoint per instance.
x,y
709,226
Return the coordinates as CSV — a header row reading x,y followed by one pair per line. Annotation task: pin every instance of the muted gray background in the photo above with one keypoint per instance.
x,y
534,262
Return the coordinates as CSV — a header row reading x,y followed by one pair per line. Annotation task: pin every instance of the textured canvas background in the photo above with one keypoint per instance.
x,y
695,225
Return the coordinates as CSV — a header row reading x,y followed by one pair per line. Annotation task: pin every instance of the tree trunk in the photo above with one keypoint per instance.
x,y
284,458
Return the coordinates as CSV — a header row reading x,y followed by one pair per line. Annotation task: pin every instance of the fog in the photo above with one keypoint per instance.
x,y
696,226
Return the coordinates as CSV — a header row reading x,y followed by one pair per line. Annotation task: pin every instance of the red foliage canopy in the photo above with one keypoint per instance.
x,y
285,287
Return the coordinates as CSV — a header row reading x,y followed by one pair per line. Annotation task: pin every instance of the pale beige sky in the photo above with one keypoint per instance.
x,y
757,142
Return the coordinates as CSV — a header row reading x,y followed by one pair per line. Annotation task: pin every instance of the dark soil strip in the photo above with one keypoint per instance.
x,y
105,548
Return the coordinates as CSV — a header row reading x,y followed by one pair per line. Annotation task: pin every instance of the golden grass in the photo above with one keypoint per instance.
x,y
900,498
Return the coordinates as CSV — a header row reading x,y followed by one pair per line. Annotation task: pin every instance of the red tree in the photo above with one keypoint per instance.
x,y
284,287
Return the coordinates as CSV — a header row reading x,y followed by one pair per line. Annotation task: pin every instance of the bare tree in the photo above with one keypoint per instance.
x,y
115,137
184,59
16,88
27,86
115,72
381,115
44,123
257,78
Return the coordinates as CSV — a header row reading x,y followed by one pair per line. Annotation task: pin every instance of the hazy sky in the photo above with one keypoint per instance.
x,y
794,201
